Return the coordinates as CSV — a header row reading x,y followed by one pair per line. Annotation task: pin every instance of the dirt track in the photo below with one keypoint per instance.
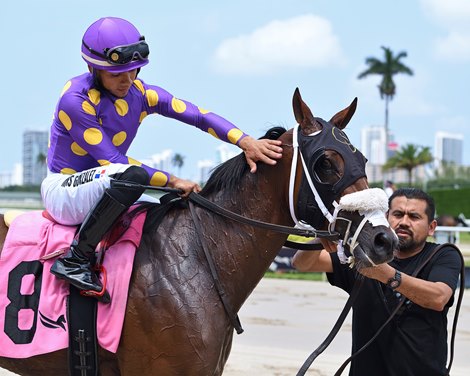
x,y
285,321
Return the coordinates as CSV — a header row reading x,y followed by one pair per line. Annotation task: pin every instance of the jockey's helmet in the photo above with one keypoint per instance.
x,y
115,45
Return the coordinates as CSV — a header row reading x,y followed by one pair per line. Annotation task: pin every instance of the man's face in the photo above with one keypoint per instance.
x,y
117,84
411,224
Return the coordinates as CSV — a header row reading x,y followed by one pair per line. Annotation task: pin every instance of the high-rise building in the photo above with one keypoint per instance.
x,y
225,152
162,161
205,168
34,156
373,144
448,148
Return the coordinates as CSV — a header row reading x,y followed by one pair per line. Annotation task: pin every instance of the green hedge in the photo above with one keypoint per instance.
x,y
452,201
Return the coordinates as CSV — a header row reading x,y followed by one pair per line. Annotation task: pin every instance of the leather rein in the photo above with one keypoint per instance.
x,y
308,233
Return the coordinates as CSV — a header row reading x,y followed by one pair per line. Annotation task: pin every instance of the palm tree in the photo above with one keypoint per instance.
x,y
41,158
178,162
390,66
409,157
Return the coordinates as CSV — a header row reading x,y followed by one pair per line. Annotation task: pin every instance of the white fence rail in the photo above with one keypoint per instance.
x,y
451,234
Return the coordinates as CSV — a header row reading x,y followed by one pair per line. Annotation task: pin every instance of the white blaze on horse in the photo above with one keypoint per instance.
x,y
176,322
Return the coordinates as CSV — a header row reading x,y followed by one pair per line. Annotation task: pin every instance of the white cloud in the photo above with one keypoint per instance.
x,y
448,13
454,17
301,42
454,47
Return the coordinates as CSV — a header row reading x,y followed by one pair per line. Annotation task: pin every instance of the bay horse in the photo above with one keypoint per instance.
x,y
451,221
175,323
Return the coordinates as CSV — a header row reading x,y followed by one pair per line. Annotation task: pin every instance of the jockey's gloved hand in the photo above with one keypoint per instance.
x,y
185,186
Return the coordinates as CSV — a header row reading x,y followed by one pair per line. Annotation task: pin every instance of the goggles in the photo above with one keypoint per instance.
x,y
120,55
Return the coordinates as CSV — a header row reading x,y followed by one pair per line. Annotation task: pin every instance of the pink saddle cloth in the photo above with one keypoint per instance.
x,y
33,317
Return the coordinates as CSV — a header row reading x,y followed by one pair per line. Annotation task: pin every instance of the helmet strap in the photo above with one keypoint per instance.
x,y
96,79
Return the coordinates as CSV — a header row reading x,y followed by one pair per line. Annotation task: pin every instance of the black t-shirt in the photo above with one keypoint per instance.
x,y
414,343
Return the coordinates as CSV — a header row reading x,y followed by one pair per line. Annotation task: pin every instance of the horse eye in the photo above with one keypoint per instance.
x,y
325,164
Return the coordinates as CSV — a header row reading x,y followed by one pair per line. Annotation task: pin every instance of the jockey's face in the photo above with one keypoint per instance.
x,y
117,84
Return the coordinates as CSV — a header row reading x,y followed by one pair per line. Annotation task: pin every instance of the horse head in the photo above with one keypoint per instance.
x,y
332,190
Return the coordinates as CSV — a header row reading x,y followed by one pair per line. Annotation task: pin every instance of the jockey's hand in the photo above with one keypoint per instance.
x,y
186,186
266,151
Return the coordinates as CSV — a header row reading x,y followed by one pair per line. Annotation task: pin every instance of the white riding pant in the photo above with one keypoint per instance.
x,y
69,198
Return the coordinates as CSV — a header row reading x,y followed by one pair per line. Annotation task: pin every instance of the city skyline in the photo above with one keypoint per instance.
x,y
448,147
243,61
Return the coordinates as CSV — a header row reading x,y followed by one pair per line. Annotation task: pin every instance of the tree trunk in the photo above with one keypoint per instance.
x,y
410,176
387,99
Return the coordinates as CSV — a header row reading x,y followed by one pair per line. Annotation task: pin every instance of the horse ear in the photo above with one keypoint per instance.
x,y
303,115
341,119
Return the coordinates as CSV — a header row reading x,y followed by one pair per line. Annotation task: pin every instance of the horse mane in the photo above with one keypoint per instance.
x,y
228,175
225,176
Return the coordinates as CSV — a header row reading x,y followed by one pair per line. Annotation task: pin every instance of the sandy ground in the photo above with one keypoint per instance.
x,y
285,321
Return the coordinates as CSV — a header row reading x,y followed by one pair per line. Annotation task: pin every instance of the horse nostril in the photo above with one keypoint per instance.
x,y
383,241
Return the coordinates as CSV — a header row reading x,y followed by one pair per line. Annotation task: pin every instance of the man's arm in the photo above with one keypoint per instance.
x,y
430,295
315,261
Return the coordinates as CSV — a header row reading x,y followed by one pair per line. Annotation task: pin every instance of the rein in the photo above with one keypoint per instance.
x,y
234,319
213,207
308,233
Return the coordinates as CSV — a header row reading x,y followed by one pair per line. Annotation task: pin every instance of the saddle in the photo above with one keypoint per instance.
x,y
40,323
10,215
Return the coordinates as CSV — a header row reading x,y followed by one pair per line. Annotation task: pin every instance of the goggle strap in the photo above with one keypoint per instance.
x,y
105,55
94,52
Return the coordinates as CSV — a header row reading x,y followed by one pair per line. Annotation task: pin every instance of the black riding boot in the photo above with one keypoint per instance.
x,y
77,266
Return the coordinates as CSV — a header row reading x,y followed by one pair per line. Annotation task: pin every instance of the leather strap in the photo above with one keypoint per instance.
x,y
234,319
83,342
304,246
339,322
205,203
198,199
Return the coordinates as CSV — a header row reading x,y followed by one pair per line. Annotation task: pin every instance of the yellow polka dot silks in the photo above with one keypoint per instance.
x,y
92,127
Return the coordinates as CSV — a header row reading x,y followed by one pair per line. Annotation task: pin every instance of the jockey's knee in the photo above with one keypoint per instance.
x,y
135,174
129,194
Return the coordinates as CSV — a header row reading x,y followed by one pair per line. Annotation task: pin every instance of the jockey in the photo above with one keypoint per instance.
x,y
95,121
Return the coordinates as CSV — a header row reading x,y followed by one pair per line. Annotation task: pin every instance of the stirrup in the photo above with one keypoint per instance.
x,y
103,295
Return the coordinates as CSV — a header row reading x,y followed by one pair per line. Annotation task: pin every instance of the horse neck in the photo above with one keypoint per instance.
x,y
244,252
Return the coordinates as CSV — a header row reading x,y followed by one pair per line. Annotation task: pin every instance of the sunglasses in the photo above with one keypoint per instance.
x,y
120,55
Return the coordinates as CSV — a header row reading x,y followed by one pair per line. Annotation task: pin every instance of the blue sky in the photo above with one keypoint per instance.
x,y
243,60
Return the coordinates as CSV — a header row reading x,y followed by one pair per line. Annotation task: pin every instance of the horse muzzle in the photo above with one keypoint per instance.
x,y
369,243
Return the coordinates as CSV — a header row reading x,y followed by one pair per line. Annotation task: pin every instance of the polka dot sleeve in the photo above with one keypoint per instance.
x,y
85,139
158,100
